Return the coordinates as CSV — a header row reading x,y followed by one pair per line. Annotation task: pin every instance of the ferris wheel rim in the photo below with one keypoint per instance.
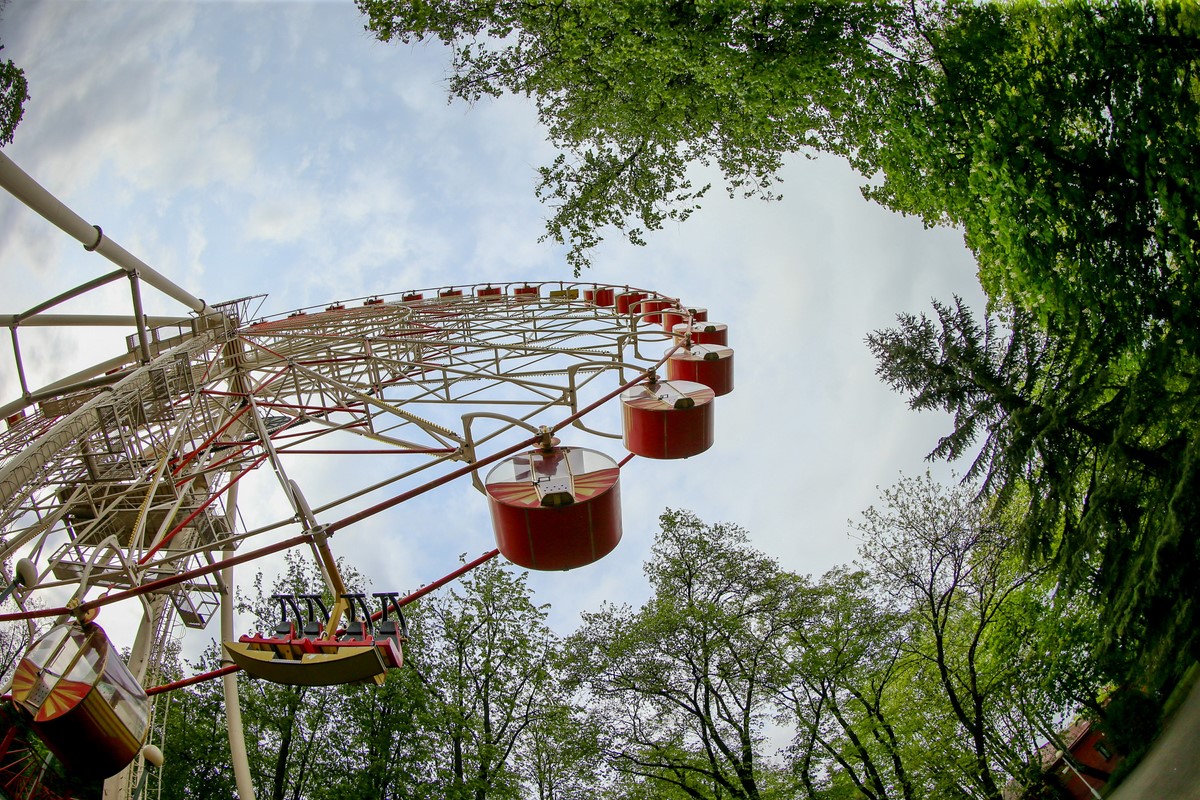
x,y
401,310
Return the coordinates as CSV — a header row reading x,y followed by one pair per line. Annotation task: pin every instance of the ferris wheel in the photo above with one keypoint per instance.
x,y
120,483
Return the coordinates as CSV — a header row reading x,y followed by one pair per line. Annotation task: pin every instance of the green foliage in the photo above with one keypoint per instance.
x,y
486,664
680,685
14,91
1131,721
1064,138
634,93
838,674
917,674
935,550
1096,447
1061,136
559,757
195,744
377,743
895,680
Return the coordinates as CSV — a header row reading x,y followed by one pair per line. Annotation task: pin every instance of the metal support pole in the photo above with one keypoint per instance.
x,y
81,289
1066,757
121,785
90,320
136,290
143,643
233,708
20,366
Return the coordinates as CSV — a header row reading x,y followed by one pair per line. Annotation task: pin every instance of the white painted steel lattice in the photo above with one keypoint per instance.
x,y
147,461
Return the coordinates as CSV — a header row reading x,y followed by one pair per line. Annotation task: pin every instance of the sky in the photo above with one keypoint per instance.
x,y
278,148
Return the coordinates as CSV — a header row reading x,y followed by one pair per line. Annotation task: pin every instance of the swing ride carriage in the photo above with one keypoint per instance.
x,y
119,484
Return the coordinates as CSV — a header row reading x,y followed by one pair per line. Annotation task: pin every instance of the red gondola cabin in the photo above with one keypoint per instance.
x,y
555,508
709,364
668,419
83,701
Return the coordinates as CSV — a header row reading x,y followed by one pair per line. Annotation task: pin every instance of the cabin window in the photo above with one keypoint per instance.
x,y
87,667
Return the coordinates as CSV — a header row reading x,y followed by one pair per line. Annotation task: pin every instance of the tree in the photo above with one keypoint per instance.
x,y
486,663
840,673
559,758
938,667
951,567
379,742
1099,453
13,94
939,660
680,685
1065,139
287,722
194,739
14,91
634,93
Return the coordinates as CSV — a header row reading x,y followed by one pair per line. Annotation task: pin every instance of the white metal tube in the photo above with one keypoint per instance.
x,y
32,194
233,706
140,315
87,321
16,348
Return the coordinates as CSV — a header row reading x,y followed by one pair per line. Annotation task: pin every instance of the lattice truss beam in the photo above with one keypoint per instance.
x,y
136,476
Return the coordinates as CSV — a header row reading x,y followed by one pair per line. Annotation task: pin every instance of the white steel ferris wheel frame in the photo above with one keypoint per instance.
x,y
124,476
150,458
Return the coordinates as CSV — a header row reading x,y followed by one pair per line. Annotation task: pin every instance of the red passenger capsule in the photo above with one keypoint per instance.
x,y
671,419
625,301
709,364
555,508
702,333
679,314
648,309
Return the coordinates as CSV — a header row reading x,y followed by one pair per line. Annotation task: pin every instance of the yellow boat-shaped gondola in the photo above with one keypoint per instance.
x,y
330,662
308,655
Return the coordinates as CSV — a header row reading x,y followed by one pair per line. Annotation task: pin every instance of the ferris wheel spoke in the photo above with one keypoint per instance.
x,y
380,404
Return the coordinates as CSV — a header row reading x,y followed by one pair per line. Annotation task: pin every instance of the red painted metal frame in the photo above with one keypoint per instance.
x,y
199,510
